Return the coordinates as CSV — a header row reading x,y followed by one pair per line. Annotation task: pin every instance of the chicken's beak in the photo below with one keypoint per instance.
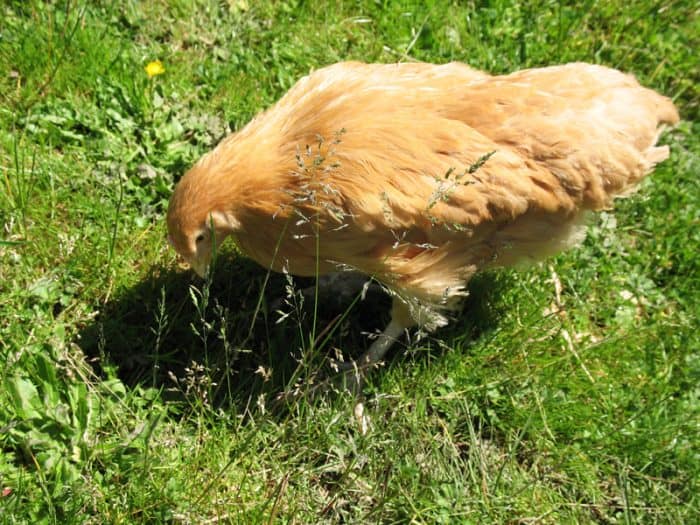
x,y
200,267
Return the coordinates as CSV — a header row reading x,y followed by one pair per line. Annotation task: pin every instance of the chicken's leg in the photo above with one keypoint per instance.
x,y
401,320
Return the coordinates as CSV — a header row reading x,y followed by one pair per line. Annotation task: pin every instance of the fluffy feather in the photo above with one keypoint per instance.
x,y
420,175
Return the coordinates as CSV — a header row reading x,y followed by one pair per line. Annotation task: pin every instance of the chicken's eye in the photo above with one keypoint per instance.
x,y
199,238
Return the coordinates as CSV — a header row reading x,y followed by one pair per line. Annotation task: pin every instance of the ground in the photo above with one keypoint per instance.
x,y
134,392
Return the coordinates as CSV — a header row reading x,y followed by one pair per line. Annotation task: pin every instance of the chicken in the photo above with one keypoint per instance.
x,y
420,175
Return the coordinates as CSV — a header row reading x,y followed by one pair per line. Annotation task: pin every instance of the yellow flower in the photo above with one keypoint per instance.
x,y
238,6
154,68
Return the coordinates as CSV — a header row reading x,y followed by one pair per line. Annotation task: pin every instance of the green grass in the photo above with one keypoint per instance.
x,y
134,393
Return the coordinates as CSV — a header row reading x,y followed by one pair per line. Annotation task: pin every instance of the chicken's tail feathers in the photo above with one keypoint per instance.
x,y
655,155
666,116
667,113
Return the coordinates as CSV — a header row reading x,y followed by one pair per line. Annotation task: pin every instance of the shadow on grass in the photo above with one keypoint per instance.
x,y
165,333
154,332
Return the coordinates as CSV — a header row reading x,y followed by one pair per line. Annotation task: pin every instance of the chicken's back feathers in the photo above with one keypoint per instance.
x,y
419,175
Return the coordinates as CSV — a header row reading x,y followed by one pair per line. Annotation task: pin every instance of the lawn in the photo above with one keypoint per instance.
x,y
134,392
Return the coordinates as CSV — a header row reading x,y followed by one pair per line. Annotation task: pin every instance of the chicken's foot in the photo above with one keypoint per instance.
x,y
353,372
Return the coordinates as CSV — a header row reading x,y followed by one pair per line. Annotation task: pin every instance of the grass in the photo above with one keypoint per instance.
x,y
134,393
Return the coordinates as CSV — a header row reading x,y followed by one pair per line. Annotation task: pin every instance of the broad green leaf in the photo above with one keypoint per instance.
x,y
25,396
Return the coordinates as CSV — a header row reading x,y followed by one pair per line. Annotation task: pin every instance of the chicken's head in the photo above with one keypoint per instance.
x,y
195,226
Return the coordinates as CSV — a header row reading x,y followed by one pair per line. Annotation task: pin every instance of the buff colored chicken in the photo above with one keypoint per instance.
x,y
421,175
